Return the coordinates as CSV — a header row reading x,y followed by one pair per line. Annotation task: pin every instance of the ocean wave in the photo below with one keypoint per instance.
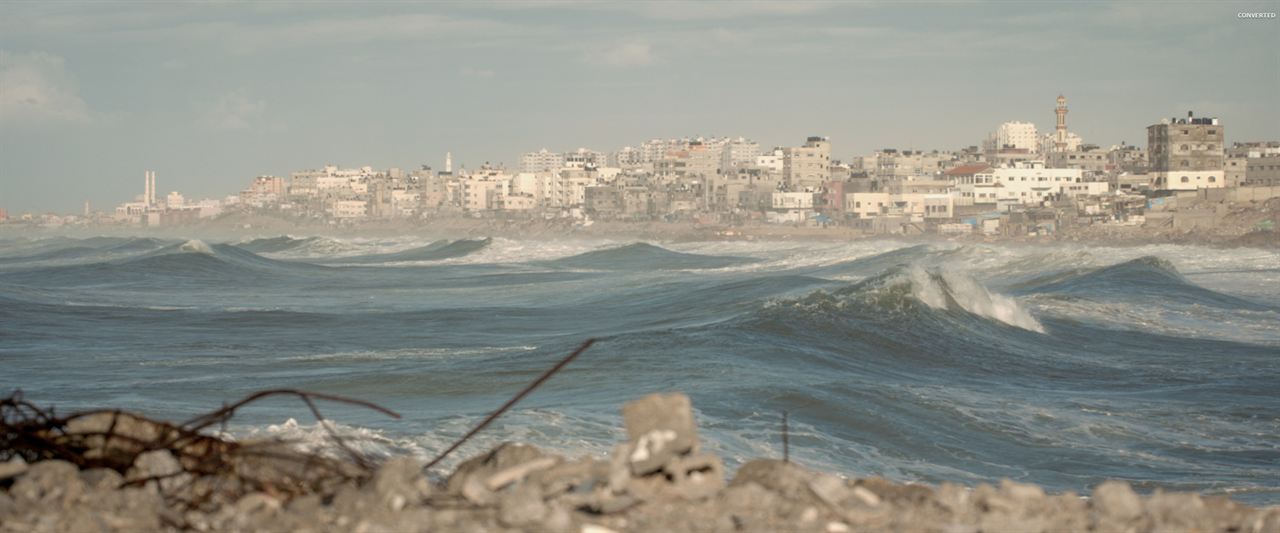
x,y
645,256
902,291
436,251
1145,278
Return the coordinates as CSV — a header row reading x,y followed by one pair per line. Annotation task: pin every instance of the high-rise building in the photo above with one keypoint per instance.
x,y
807,166
541,161
1186,153
738,152
1017,135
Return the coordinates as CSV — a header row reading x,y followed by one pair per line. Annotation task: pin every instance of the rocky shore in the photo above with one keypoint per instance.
x,y
658,480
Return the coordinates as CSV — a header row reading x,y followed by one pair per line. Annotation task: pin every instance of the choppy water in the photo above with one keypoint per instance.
x,y
1059,365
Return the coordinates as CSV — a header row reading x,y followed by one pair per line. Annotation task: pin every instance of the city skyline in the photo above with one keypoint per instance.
x,y
210,96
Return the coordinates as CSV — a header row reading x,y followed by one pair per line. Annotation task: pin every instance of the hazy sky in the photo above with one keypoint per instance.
x,y
210,95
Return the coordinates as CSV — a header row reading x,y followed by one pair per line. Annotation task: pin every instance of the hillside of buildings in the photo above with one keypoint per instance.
x,y
1186,185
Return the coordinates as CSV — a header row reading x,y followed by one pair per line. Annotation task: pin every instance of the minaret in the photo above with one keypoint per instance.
x,y
1060,135
146,187
448,162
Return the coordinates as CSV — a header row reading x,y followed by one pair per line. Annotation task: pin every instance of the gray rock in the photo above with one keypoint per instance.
x,y
522,506
581,476
696,476
659,426
101,479
475,491
1115,499
517,473
159,463
48,482
505,456
830,489
13,468
619,468
787,479
399,482
1024,493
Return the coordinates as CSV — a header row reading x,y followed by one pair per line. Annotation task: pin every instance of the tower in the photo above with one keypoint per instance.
x,y
148,188
1060,134
448,162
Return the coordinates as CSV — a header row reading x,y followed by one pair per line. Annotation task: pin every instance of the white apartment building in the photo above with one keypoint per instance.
x,y
541,161
1020,135
349,209
1025,183
772,160
793,200
916,205
1188,180
582,158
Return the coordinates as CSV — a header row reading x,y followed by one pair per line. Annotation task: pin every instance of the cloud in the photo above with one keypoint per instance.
x,y
625,54
235,110
37,88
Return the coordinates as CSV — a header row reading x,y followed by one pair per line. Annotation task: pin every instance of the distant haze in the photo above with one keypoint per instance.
x,y
211,95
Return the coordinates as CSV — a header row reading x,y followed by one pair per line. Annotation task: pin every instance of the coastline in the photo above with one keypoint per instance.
x,y
657,480
1245,233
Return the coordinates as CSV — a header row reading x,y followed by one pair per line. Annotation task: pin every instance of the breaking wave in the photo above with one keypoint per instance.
x,y
644,256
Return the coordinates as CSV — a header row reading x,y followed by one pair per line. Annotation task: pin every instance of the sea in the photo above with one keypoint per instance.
x,y
1057,364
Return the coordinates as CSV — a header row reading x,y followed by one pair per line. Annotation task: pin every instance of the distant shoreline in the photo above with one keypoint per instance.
x,y
238,226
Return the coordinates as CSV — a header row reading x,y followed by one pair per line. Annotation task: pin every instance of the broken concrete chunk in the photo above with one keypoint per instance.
x,y
659,426
13,468
399,482
505,456
696,476
517,473
1116,499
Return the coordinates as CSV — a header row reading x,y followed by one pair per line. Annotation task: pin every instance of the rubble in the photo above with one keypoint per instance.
x,y
672,486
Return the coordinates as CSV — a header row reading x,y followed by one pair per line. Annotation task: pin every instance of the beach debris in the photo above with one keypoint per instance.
x,y
518,487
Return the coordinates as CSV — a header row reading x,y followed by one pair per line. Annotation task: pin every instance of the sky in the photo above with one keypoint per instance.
x,y
210,94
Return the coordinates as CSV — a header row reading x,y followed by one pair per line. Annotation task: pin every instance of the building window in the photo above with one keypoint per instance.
x,y
1184,179
1213,179
1185,164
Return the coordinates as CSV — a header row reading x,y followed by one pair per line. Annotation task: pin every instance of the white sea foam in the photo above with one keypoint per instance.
x,y
970,295
196,246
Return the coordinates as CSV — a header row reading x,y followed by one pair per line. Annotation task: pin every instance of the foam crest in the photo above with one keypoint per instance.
x,y
939,289
196,246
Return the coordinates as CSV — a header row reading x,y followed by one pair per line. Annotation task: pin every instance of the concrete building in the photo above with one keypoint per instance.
x,y
1089,158
1024,184
1020,135
541,161
1186,154
584,158
772,161
737,153
1260,161
807,166
1263,171
627,157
